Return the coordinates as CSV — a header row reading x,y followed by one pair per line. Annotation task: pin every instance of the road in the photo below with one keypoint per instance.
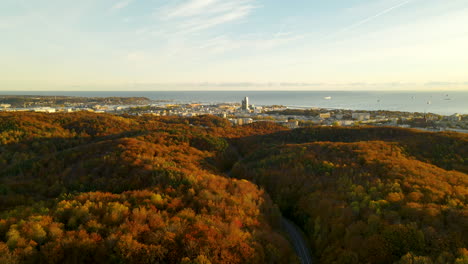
x,y
302,250
293,231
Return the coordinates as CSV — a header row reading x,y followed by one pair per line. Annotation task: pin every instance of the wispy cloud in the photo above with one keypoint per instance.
x,y
191,8
121,4
202,23
446,84
187,30
367,19
196,15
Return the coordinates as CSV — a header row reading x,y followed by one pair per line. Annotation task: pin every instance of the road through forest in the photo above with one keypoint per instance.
x,y
293,231
300,246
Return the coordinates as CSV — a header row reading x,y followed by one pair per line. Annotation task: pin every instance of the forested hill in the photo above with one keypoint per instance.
x,y
99,188
447,150
367,195
90,188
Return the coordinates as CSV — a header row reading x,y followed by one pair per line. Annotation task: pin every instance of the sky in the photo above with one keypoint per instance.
x,y
233,44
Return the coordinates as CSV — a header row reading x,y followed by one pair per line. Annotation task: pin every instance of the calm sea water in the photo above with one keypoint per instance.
x,y
445,103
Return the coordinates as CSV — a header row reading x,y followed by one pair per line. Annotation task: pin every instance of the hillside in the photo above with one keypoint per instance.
x,y
367,195
98,188
87,188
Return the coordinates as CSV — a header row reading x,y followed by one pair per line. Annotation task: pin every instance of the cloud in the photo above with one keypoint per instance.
x,y
121,4
368,19
281,86
445,83
191,8
196,15
205,23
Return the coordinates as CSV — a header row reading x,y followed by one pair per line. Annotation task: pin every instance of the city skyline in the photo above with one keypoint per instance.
x,y
233,45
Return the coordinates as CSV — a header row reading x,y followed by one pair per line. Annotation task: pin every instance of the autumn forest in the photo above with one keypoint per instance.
x,y
100,188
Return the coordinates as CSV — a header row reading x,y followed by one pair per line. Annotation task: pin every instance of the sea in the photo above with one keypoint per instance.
x,y
438,102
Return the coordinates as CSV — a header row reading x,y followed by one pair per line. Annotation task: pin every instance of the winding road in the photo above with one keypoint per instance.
x,y
300,246
293,231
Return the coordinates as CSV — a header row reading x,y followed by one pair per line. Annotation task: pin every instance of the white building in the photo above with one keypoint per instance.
x,y
361,116
292,124
245,104
345,122
455,118
245,121
241,121
45,110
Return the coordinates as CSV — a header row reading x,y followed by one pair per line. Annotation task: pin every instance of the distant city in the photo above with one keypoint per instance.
x,y
238,114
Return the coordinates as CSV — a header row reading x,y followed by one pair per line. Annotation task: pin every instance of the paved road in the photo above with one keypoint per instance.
x,y
302,250
294,232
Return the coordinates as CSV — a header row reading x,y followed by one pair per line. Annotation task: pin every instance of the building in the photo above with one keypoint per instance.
x,y
241,121
45,110
345,122
245,104
455,118
244,121
324,115
222,115
292,124
361,116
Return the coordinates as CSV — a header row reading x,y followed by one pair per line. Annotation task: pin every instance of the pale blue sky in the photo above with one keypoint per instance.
x,y
170,44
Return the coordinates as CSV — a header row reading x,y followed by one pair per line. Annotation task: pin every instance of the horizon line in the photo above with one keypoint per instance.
x,y
244,90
